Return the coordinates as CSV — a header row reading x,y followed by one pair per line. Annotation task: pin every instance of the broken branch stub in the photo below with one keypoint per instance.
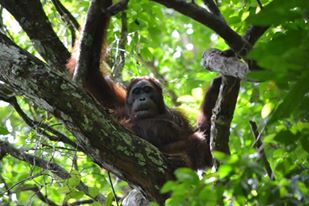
x,y
214,60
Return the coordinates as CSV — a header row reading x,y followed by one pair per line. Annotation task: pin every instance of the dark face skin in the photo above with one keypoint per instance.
x,y
143,100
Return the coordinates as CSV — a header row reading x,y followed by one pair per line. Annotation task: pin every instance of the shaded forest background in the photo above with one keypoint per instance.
x,y
40,159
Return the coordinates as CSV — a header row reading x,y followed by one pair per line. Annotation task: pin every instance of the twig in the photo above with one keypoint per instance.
x,y
41,128
68,18
259,147
39,194
6,187
23,180
52,167
260,4
81,202
112,186
120,53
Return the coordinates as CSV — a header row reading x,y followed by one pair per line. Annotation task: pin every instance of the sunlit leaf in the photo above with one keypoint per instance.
x,y
266,110
3,131
186,175
109,199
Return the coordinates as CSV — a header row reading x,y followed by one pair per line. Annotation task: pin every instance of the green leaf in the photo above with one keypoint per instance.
x,y
74,180
187,175
286,137
305,142
3,131
279,11
96,204
168,186
146,53
93,191
266,110
292,99
220,155
224,170
74,195
109,199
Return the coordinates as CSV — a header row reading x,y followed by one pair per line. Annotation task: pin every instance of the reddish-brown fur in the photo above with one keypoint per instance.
x,y
169,130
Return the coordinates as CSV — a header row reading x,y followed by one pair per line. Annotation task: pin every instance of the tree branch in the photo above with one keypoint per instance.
x,y
223,114
121,53
106,142
39,194
260,148
235,41
92,40
213,60
67,18
213,8
47,165
40,127
116,8
39,30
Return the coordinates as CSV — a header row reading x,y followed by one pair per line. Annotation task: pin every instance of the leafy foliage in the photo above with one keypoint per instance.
x,y
171,44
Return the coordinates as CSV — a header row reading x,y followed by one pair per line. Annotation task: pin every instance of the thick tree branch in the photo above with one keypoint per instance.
x,y
92,40
223,114
235,41
211,5
108,143
213,60
39,30
116,8
47,165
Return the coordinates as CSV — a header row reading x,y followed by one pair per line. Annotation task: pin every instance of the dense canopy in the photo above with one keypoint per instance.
x,y
59,147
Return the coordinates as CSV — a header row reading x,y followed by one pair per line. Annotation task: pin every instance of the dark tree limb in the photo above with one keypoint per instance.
x,y
67,18
223,114
213,60
91,40
235,41
47,165
66,15
260,149
212,6
105,141
118,7
39,30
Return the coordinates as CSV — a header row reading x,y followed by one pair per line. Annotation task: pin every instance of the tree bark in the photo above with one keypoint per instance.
x,y
105,141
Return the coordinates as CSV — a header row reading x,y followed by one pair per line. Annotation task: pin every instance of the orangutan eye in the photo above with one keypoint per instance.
x,y
147,89
136,91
